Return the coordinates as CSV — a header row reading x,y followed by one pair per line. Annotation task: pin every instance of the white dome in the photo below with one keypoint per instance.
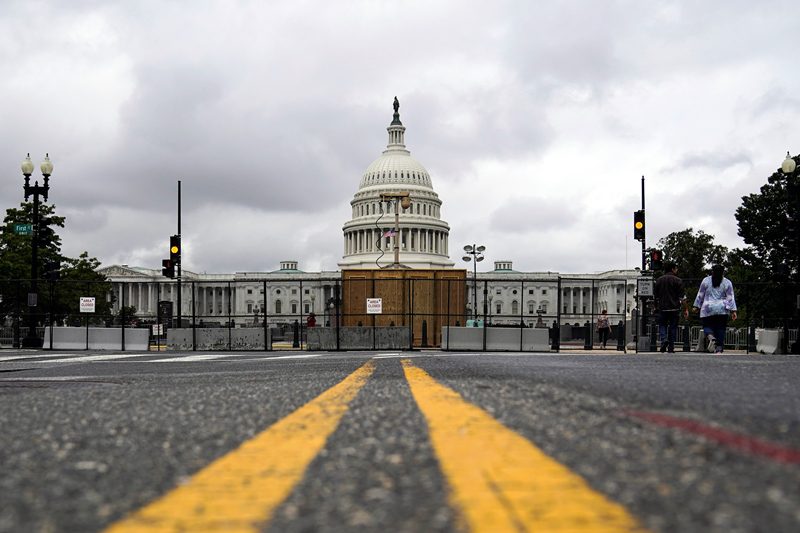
x,y
418,237
395,167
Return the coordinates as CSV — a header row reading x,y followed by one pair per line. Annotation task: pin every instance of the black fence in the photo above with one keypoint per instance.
x,y
276,314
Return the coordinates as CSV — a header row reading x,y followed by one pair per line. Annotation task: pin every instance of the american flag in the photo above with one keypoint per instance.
x,y
389,233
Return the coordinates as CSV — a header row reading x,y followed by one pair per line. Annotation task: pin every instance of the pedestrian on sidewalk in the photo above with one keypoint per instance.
x,y
670,299
716,302
603,327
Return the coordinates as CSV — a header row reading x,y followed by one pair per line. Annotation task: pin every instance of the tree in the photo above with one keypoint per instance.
x,y
79,276
693,252
767,223
15,250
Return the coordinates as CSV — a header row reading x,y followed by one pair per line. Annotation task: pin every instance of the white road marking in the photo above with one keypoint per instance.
x,y
208,357
72,358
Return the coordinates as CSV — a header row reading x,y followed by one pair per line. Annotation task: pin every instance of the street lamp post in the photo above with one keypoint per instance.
x,y
31,340
789,168
475,254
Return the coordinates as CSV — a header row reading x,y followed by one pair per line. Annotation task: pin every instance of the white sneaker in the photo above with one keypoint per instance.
x,y
712,344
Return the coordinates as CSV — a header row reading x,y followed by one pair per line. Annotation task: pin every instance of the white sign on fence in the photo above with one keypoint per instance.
x,y
645,287
374,306
158,329
87,304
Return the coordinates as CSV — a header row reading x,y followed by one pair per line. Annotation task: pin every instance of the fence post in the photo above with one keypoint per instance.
x,y
621,336
653,331
687,337
194,317
587,341
485,322
123,318
557,325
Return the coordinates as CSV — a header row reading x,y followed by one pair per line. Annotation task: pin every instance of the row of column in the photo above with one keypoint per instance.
x,y
145,297
412,239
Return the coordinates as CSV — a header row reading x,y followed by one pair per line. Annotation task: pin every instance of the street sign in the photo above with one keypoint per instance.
x,y
23,229
33,299
645,286
374,306
87,304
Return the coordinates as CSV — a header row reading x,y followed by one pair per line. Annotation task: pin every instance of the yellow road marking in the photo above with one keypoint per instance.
x,y
499,480
240,490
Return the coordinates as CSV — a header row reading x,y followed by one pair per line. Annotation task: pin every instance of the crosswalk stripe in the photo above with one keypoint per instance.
x,y
240,490
499,480
72,358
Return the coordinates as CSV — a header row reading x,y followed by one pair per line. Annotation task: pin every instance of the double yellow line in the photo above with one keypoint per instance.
x,y
498,480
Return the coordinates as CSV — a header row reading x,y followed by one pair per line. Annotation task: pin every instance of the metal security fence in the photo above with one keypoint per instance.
x,y
382,310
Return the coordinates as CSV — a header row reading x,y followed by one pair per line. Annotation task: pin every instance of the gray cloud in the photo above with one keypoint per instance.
x,y
268,114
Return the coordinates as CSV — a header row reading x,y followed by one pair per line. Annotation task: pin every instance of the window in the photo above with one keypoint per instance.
x,y
565,310
514,291
307,308
249,291
530,308
497,291
262,291
514,307
307,291
277,307
544,309
618,307
294,309
294,291
499,308
278,291
544,291
249,308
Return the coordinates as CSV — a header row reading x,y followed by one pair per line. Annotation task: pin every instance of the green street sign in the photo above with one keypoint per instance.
x,y
23,229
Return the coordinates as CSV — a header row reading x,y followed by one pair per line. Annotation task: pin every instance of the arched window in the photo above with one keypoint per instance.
x,y
277,307
514,307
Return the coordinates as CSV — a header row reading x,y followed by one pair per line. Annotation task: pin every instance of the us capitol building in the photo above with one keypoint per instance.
x,y
370,239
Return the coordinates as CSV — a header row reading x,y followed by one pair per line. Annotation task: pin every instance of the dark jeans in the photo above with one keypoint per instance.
x,y
668,327
715,325
604,335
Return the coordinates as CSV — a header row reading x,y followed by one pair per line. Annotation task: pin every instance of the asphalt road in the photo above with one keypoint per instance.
x,y
399,441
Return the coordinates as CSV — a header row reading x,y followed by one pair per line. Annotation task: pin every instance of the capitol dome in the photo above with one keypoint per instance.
x,y
422,235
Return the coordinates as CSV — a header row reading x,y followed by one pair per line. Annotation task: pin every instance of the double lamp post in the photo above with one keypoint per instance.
x,y
31,339
475,254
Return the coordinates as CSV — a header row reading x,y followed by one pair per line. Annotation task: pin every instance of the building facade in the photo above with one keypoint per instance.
x,y
503,295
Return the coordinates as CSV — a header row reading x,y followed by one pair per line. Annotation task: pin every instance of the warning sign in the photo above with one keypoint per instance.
x,y
87,304
374,306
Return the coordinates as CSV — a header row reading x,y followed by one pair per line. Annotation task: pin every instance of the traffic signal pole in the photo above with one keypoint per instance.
x,y
643,300
181,254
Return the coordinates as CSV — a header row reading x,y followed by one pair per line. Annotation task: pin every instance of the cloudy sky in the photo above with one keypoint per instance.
x,y
536,121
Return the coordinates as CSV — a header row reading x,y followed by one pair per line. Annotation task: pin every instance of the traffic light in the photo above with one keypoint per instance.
x,y
656,260
169,268
638,225
175,249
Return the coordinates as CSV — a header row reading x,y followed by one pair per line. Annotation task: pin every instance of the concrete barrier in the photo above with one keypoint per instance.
x,y
74,338
242,339
497,339
358,338
769,341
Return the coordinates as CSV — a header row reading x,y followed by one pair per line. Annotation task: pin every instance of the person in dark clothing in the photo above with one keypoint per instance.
x,y
670,297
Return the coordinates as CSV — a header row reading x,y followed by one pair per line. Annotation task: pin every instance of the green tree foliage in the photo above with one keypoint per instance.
x,y
693,252
78,277
766,221
15,250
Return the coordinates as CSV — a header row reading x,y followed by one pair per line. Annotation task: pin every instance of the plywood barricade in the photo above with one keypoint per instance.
x,y
424,300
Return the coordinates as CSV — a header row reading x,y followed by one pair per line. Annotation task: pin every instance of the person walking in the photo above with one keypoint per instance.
x,y
670,297
603,327
716,302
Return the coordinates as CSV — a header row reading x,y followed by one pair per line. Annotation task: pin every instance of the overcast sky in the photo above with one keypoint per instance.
x,y
535,120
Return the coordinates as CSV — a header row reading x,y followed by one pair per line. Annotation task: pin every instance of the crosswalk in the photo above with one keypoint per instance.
x,y
37,358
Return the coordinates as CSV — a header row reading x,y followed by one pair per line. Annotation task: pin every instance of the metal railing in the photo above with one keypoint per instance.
x,y
272,314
